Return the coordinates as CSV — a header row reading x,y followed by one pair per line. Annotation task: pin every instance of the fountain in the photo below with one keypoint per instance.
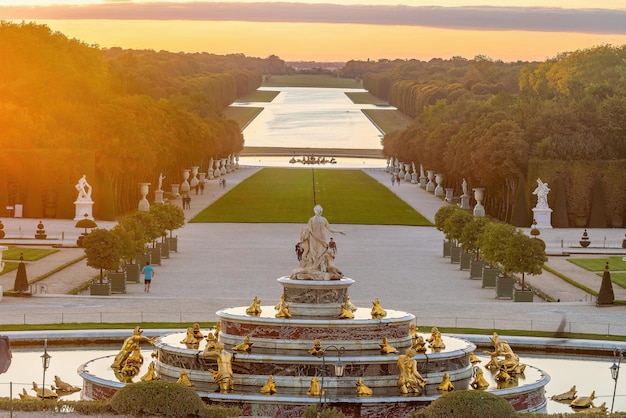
x,y
314,344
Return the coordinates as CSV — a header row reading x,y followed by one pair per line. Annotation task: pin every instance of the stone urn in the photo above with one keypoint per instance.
x,y
584,240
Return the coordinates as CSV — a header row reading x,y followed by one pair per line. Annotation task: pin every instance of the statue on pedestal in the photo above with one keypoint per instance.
x,y
84,189
541,192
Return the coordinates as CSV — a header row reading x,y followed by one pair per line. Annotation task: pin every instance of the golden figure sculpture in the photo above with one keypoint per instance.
x,y
473,359
413,333
318,258
385,348
566,396
245,346
224,374
361,389
255,307
130,344
45,393
584,401
189,340
210,343
445,385
317,348
269,387
346,310
150,374
509,361
479,381
197,333
410,380
282,308
62,388
435,341
183,379
314,388
377,310
218,329
503,376
350,305
25,395
595,410
419,345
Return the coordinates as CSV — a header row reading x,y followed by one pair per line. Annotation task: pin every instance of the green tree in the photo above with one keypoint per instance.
x,y
471,232
493,242
523,254
102,250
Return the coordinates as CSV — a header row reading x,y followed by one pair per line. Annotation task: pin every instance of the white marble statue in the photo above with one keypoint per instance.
x,y
317,259
84,189
464,187
161,177
541,192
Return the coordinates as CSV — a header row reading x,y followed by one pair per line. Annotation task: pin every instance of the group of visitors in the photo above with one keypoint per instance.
x,y
395,178
186,201
222,183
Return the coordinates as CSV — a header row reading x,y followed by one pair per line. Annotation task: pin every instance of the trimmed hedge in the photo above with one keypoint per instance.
x,y
467,404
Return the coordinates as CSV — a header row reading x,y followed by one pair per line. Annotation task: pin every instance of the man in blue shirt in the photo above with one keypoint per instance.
x,y
148,272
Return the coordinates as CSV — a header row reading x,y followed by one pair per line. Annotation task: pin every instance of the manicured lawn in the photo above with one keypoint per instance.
x,y
9,266
388,120
30,254
284,195
597,264
617,278
364,97
259,96
242,115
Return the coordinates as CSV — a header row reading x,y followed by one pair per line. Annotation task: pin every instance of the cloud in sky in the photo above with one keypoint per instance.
x,y
593,21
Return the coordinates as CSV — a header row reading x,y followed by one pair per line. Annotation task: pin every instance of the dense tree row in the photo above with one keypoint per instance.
x,y
484,121
120,117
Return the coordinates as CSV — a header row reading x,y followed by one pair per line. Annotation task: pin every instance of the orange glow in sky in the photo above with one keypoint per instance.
x,y
313,30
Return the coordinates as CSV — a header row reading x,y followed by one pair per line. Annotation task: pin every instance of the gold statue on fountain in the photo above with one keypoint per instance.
x,y
269,387
479,381
130,344
566,396
183,379
347,311
255,307
503,357
282,308
410,380
385,348
223,376
245,346
317,349
435,341
446,384
314,388
377,310
62,388
150,374
362,389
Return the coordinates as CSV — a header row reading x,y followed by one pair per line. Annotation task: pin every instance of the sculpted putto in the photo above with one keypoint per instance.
x,y
318,260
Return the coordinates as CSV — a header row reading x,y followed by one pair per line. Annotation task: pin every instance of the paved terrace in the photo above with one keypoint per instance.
x,y
221,265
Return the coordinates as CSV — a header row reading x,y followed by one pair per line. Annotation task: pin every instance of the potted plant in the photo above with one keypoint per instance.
x,y
132,241
440,217
524,255
175,220
101,248
453,228
469,243
492,242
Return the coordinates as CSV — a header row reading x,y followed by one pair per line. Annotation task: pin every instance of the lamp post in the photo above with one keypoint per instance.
x,y
339,368
45,362
618,354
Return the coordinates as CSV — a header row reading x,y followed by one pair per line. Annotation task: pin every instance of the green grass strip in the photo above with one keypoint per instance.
x,y
597,264
29,254
617,278
285,195
365,97
570,281
265,96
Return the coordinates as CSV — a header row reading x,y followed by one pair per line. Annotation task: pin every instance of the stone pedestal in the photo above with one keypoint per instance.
x,y
465,202
315,297
430,186
449,194
158,196
439,188
543,217
83,209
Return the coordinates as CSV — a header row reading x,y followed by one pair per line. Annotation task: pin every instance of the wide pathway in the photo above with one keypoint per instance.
x,y
220,265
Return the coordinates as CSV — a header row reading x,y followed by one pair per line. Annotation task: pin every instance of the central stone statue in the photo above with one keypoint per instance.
x,y
318,259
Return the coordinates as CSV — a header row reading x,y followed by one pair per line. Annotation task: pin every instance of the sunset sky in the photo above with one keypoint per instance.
x,y
336,30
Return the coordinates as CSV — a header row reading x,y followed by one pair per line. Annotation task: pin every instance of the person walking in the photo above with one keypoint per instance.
x,y
148,273
393,179
333,246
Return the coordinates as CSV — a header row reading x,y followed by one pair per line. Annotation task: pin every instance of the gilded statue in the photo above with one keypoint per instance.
x,y
255,307
377,310
210,343
445,385
269,387
584,401
503,357
317,349
419,345
25,395
223,376
63,388
346,310
130,344
566,396
435,341
314,388
318,259
218,329
361,389
150,374
413,332
409,380
595,410
282,308
349,304
503,376
245,346
45,393
189,340
479,381
473,358
183,379
385,348
197,333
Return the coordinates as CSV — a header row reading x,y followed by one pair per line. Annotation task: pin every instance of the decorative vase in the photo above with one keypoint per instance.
x,y
144,205
479,194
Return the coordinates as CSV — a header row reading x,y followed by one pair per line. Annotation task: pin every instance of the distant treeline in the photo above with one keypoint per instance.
x,y
501,125
119,116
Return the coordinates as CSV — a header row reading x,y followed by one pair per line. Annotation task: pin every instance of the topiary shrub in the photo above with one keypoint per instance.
x,y
470,404
158,397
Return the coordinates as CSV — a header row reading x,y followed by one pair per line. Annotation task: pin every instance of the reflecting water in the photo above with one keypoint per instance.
x,y
313,118
588,374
